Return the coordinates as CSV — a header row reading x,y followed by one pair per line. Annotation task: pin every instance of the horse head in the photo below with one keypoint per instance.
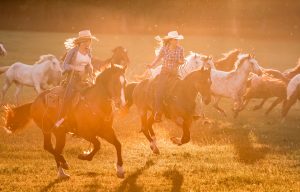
x,y
52,61
208,62
201,79
197,61
250,62
120,56
112,80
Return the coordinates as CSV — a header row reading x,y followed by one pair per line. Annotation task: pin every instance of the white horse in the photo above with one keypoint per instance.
x,y
293,94
46,70
194,61
233,84
3,51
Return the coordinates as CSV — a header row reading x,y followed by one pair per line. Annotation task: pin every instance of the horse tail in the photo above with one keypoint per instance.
x,y
4,69
17,118
128,94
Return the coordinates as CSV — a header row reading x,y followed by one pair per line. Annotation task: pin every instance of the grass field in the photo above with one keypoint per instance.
x,y
251,153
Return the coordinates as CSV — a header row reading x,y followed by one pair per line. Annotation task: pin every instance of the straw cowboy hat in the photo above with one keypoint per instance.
x,y
171,35
82,36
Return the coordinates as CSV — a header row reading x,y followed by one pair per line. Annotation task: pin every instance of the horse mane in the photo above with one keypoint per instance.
x,y
104,76
237,64
119,48
240,61
228,55
192,55
296,68
44,58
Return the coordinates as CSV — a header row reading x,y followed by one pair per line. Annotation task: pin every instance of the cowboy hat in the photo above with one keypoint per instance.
x,y
173,35
85,34
82,36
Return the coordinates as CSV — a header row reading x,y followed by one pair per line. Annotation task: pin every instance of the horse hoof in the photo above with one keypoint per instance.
x,y
62,174
63,177
85,157
176,141
155,150
120,172
65,166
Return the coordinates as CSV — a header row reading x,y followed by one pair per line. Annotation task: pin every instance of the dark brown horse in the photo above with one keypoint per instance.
x,y
120,57
92,117
227,62
179,103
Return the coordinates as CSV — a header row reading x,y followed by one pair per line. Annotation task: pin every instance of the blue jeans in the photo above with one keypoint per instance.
x,y
163,82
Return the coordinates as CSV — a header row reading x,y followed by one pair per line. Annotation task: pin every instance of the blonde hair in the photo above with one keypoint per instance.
x,y
161,43
74,42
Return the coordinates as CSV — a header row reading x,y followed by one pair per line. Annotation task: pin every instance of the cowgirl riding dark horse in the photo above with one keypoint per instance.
x,y
79,67
166,94
171,53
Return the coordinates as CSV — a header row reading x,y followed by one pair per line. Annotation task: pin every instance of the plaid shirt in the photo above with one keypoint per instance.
x,y
171,58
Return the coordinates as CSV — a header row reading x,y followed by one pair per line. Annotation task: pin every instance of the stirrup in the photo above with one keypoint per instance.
x,y
59,122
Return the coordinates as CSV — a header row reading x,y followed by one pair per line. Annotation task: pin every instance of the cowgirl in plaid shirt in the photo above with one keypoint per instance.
x,y
171,53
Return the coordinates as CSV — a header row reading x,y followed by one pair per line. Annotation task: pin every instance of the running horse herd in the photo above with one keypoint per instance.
x,y
237,76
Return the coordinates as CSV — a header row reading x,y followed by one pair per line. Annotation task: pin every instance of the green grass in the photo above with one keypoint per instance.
x,y
251,153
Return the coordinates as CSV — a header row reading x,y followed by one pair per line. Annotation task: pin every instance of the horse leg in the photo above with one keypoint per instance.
x,y
148,131
5,87
110,137
199,108
259,106
274,104
17,93
37,87
153,145
60,137
216,106
186,133
89,155
238,106
287,105
48,147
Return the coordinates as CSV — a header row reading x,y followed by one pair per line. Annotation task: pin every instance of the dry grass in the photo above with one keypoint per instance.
x,y
252,153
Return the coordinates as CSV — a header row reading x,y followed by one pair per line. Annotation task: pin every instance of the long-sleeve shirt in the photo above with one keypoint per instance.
x,y
171,58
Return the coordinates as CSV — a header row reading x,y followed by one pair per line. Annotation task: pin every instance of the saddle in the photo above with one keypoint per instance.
x,y
55,97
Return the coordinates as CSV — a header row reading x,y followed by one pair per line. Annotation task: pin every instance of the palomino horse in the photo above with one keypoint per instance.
x,y
91,118
273,84
266,87
227,62
293,94
3,51
120,57
179,103
233,84
46,70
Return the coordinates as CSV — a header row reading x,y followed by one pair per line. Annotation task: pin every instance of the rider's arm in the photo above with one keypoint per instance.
x,y
68,60
158,58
